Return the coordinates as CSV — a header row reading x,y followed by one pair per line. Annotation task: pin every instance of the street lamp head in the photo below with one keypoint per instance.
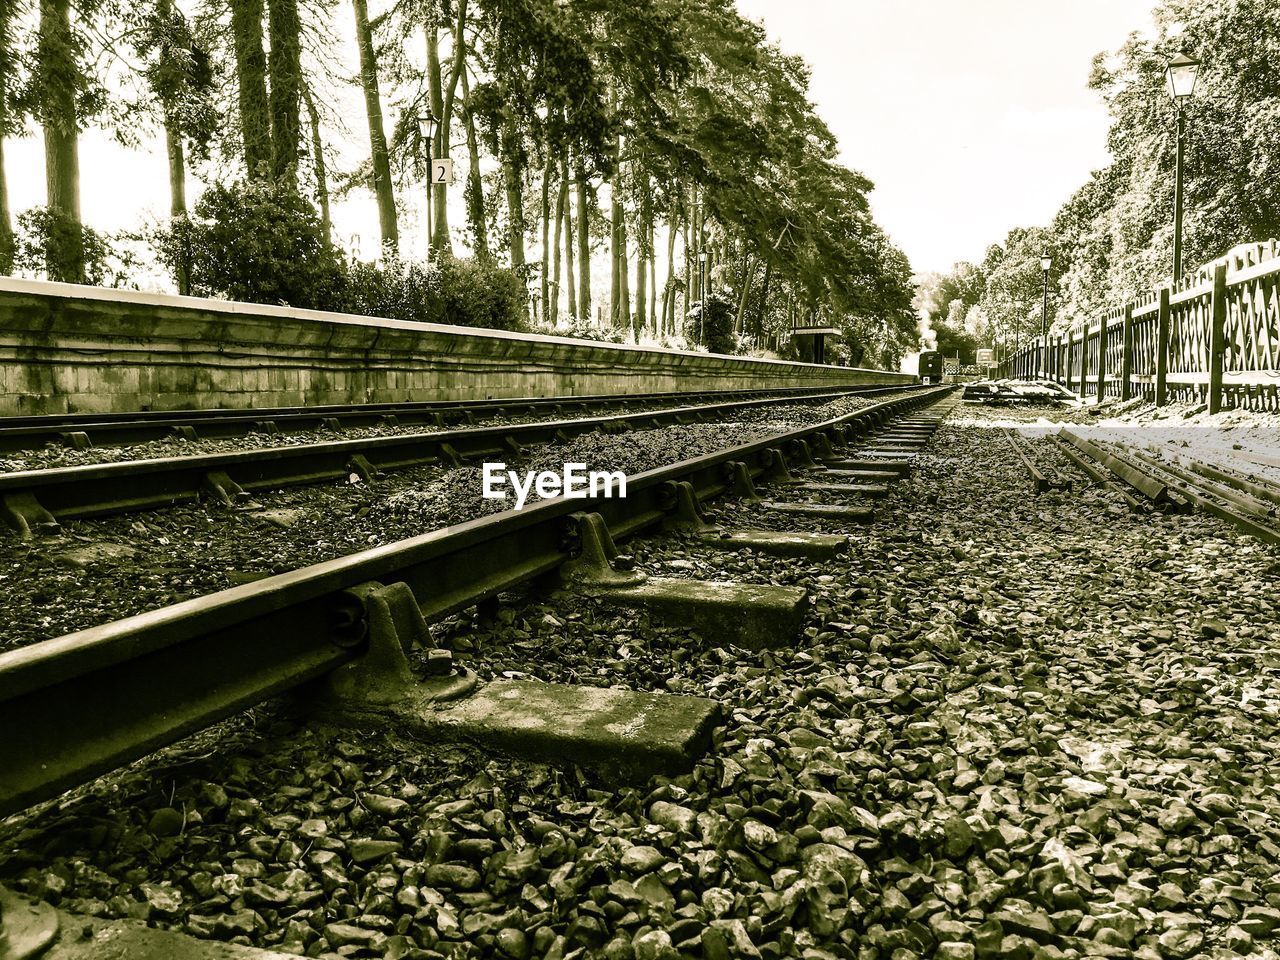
x,y
702,258
1182,72
1046,261
427,125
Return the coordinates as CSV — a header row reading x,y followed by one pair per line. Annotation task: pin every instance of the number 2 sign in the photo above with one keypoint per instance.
x,y
442,170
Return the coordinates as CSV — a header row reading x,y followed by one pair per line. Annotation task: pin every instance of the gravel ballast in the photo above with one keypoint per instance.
x,y
1015,726
95,571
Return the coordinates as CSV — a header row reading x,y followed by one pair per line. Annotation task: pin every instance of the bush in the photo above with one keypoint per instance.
x,y
480,294
257,242
581,330
47,242
396,289
713,318
263,243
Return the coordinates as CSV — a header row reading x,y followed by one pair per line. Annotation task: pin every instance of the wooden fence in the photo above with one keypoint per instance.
x,y
1214,337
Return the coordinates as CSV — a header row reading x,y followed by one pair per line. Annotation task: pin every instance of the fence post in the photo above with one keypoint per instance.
x,y
1162,349
1067,360
1217,336
1126,353
1083,373
1102,360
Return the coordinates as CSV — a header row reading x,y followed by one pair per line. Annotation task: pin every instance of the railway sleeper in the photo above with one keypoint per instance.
x,y
684,518
77,440
623,735
899,467
874,491
754,616
34,929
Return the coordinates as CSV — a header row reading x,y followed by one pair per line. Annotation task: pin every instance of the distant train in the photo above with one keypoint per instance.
x,y
930,367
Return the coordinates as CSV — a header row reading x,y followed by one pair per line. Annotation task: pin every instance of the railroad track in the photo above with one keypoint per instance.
x,y
1173,482
85,430
32,501
78,706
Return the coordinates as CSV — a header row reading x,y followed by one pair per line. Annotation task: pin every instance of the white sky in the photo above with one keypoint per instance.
x,y
971,117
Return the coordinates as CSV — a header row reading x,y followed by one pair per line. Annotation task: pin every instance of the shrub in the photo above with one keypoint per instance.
x,y
46,243
263,243
258,242
397,289
581,330
480,294
713,318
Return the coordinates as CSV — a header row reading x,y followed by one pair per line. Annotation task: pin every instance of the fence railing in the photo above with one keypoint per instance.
x,y
1213,337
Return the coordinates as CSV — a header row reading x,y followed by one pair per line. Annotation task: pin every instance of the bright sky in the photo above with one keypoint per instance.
x,y
970,117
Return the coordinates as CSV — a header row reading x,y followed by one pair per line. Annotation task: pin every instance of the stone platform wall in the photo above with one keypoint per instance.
x,y
67,348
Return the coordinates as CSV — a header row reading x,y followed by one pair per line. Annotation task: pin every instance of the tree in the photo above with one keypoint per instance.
x,y
379,157
251,84
57,80
178,71
9,124
285,30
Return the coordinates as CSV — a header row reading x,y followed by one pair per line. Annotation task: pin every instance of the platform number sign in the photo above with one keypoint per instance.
x,y
442,170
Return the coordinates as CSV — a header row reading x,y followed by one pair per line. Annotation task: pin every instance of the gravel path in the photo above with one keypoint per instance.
x,y
95,571
1015,727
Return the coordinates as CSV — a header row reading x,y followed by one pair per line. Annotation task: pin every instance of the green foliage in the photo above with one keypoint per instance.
x,y
482,294
256,242
711,324
46,239
263,243
396,289
581,330
1113,238
179,70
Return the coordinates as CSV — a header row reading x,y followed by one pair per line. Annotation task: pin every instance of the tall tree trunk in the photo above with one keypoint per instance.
x,y
474,193
317,153
764,302
562,197
65,259
377,137
748,275
285,32
689,268
251,80
176,153
6,223
6,59
584,244
435,100
642,285
571,301
513,177
653,283
440,238
620,315
545,282
669,303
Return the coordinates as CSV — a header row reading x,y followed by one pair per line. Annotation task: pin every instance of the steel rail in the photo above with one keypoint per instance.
x,y
33,498
80,705
118,429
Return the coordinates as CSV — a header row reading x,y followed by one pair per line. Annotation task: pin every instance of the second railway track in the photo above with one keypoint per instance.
x,y
89,701
35,500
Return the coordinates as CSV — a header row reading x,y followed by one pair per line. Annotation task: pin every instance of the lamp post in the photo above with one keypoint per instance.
x,y
427,128
1046,261
1182,72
